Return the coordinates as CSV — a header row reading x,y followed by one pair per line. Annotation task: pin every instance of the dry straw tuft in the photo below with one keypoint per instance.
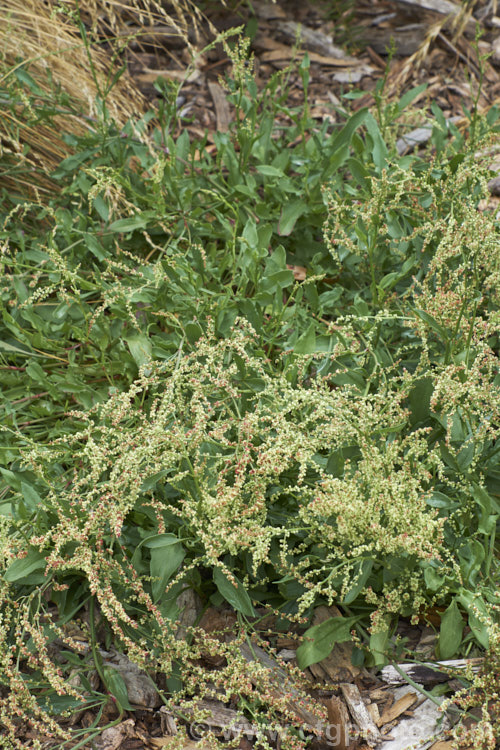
x,y
42,43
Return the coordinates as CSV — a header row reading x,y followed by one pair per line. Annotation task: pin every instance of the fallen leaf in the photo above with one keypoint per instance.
x,y
299,272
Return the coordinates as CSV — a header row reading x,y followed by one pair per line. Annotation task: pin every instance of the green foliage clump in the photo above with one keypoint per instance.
x,y
182,413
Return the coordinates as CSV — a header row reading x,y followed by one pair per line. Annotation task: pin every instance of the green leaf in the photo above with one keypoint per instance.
x,y
358,170
182,146
472,603
70,164
30,495
465,456
471,557
344,136
438,114
174,681
436,327
11,479
320,639
407,98
9,347
490,508
378,647
193,331
364,570
480,630
152,481
140,347
276,261
389,280
101,207
128,225
23,567
94,246
379,149
237,596
24,77
306,344
270,171
166,556
450,632
115,684
433,579
289,214
440,500
449,458
57,704
279,280
36,373
250,233
159,540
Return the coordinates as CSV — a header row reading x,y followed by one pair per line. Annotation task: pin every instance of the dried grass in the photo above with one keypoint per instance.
x,y
456,24
43,38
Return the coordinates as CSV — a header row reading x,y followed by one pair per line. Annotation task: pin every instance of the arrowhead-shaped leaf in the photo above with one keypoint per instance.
x,y
320,639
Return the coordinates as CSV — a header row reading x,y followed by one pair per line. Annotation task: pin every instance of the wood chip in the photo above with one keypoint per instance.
x,y
401,705
115,737
318,673
322,112
374,712
313,40
337,733
288,53
386,729
287,654
190,606
221,104
268,11
167,722
376,59
285,642
264,42
359,713
426,674
141,689
217,621
407,39
494,186
381,694
444,7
